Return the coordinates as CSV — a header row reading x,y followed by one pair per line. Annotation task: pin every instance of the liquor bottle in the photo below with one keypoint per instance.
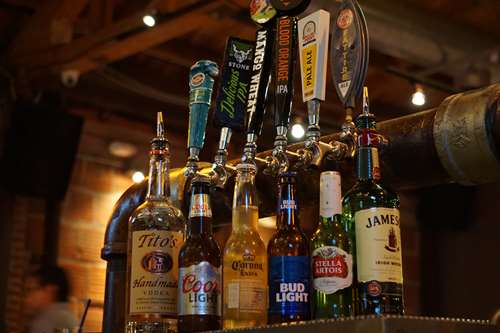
x,y
245,260
371,211
155,237
199,266
331,252
288,252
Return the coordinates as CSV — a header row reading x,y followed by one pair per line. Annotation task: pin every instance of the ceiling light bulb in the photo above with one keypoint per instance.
x,y
418,97
298,131
137,177
149,20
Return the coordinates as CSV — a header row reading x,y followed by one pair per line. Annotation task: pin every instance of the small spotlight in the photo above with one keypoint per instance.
x,y
149,20
137,177
418,97
298,131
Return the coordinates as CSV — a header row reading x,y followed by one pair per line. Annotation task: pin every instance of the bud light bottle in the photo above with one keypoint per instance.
x,y
288,252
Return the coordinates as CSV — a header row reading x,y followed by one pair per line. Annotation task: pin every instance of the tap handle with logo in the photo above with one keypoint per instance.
x,y
349,52
286,40
260,78
201,82
234,84
313,52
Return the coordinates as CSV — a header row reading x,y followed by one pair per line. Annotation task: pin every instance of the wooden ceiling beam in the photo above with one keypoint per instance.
x,y
136,43
101,42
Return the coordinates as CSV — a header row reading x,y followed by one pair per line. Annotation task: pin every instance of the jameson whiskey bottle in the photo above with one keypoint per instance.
x,y
245,258
371,212
154,239
331,252
200,266
288,251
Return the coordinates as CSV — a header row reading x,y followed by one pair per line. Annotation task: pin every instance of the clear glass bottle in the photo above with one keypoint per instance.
x,y
155,236
245,260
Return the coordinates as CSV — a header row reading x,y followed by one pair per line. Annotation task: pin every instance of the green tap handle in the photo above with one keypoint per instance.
x,y
201,82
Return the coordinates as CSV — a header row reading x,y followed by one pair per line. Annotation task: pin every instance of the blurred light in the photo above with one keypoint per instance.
x,y
122,149
149,20
418,97
137,177
298,131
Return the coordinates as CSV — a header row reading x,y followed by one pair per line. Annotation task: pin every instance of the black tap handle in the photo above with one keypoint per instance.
x,y
259,83
233,88
286,45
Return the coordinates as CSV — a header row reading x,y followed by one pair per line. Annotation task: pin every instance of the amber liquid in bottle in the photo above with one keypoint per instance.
x,y
289,260
245,259
154,239
200,266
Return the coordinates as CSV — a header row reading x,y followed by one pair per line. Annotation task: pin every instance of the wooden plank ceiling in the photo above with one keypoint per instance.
x,y
133,71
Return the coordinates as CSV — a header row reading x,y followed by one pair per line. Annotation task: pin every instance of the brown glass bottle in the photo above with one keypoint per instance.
x,y
288,252
199,266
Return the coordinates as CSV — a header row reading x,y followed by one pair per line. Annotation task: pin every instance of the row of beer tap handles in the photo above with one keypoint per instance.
x,y
243,93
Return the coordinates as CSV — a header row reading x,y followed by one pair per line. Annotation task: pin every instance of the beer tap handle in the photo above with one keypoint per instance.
x,y
258,89
201,81
231,100
313,53
286,40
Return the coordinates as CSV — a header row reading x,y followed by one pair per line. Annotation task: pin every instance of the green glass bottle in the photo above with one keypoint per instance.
x,y
371,213
331,252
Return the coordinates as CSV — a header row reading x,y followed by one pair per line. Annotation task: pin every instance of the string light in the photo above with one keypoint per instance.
x,y
418,97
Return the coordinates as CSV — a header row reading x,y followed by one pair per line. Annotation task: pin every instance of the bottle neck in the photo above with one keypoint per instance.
x,y
245,204
368,164
334,222
245,194
200,211
158,182
368,167
287,207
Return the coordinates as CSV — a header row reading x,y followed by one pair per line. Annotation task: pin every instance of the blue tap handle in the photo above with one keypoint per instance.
x,y
201,82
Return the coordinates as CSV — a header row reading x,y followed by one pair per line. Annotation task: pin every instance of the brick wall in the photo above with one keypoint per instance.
x,y
26,221
93,190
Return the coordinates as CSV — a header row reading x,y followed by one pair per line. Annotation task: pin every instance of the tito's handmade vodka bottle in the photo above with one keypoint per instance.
x,y
154,239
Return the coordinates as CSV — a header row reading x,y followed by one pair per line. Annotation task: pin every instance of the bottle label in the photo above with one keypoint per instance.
x,y
199,293
246,283
200,206
289,285
332,269
153,278
329,194
378,245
